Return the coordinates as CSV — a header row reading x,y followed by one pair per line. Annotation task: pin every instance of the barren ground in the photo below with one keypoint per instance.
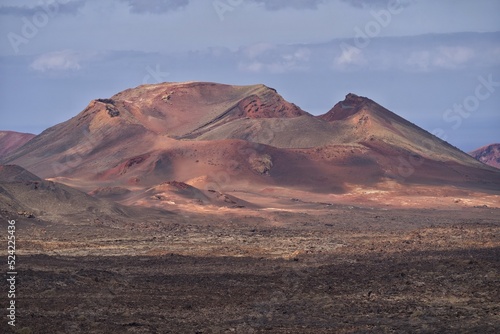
x,y
340,269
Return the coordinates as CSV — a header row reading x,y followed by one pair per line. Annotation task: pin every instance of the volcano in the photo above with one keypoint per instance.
x,y
489,154
245,144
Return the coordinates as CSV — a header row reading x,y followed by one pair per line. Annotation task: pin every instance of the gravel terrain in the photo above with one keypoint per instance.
x,y
336,270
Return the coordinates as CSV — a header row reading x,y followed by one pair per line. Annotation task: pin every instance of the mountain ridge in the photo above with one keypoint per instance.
x,y
241,140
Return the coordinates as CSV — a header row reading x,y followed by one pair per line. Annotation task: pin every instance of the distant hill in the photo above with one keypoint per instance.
x,y
489,154
10,141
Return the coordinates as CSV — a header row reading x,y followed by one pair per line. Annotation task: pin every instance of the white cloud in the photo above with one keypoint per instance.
x,y
420,60
254,66
378,3
452,57
417,54
49,7
351,57
155,6
58,61
295,4
302,54
266,57
414,54
446,57
253,51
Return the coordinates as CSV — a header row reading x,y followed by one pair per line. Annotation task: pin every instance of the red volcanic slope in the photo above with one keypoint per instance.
x,y
378,128
489,154
115,135
242,139
191,108
10,141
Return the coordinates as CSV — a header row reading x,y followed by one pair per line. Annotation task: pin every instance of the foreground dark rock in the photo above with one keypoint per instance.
x,y
347,270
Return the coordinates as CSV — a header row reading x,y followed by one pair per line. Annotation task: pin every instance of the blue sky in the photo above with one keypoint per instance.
x,y
436,63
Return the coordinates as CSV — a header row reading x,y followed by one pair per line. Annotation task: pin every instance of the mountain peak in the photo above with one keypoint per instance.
x,y
187,109
355,100
489,154
351,105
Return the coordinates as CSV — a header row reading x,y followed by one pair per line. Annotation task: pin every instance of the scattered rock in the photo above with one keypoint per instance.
x,y
112,112
262,164
26,214
106,101
167,97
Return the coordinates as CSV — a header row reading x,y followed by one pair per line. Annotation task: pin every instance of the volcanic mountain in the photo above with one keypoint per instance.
x,y
489,154
10,141
161,144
